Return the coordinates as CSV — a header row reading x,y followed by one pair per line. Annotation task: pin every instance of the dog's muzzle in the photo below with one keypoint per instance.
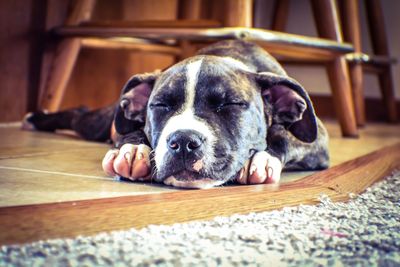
x,y
186,160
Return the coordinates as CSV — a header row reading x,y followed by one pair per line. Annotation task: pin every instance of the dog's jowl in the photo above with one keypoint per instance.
x,y
230,113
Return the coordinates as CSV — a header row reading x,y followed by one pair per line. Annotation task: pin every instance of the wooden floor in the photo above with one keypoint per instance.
x,y
40,169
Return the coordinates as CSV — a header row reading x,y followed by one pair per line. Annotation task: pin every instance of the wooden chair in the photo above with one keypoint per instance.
x,y
358,61
380,62
181,37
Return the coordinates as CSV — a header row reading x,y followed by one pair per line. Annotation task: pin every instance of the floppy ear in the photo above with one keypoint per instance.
x,y
291,105
131,109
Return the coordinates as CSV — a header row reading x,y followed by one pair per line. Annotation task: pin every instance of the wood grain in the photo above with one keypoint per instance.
x,y
15,26
34,222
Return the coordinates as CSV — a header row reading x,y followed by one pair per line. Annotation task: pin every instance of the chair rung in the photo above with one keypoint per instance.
x,y
376,60
130,44
201,23
291,42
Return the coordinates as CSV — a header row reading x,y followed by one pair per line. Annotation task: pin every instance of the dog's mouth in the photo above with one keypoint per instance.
x,y
190,179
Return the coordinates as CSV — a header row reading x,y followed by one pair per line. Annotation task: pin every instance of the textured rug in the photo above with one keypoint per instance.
x,y
364,231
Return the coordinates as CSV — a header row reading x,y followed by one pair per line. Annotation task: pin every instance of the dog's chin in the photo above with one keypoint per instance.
x,y
186,179
204,183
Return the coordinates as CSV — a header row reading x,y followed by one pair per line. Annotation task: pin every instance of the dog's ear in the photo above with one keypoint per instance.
x,y
131,109
291,105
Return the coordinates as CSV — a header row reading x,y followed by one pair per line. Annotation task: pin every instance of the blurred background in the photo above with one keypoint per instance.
x,y
100,73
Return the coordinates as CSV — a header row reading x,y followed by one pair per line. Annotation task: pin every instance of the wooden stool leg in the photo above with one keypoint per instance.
x,y
188,10
356,77
280,15
380,46
327,22
240,13
60,72
352,33
64,59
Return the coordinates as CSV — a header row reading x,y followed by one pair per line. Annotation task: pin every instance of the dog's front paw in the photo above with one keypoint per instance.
x,y
261,169
130,161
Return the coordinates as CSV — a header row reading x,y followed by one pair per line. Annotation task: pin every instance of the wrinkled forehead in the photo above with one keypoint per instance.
x,y
219,73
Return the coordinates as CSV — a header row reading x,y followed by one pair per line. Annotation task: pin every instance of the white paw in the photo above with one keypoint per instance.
x,y
29,126
130,161
261,169
26,125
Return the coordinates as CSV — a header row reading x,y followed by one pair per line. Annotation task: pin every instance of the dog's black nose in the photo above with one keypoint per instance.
x,y
184,142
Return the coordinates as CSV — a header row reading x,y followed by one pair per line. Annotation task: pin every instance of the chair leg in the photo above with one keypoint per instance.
x,y
356,77
342,98
327,22
189,10
280,15
387,89
59,74
380,47
65,57
352,33
240,13
188,49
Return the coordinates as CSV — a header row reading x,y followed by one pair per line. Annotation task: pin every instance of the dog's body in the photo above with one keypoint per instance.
x,y
230,112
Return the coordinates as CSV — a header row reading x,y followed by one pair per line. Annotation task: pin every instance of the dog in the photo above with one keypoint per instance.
x,y
229,113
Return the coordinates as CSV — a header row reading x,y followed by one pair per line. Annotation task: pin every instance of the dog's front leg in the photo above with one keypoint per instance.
x,y
130,158
265,167
285,151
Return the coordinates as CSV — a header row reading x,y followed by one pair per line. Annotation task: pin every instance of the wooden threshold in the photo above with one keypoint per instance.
x,y
29,223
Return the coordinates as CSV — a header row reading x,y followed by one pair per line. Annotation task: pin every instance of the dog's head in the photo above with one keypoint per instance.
x,y
206,116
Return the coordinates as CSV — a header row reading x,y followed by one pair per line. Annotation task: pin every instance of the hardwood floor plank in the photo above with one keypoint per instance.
x,y
68,219
35,167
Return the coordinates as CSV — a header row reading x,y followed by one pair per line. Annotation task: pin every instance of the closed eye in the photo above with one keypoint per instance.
x,y
229,105
159,105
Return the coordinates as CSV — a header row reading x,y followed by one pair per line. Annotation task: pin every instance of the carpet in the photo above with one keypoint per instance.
x,y
365,231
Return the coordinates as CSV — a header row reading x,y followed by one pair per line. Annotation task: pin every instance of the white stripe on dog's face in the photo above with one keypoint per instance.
x,y
185,118
192,75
